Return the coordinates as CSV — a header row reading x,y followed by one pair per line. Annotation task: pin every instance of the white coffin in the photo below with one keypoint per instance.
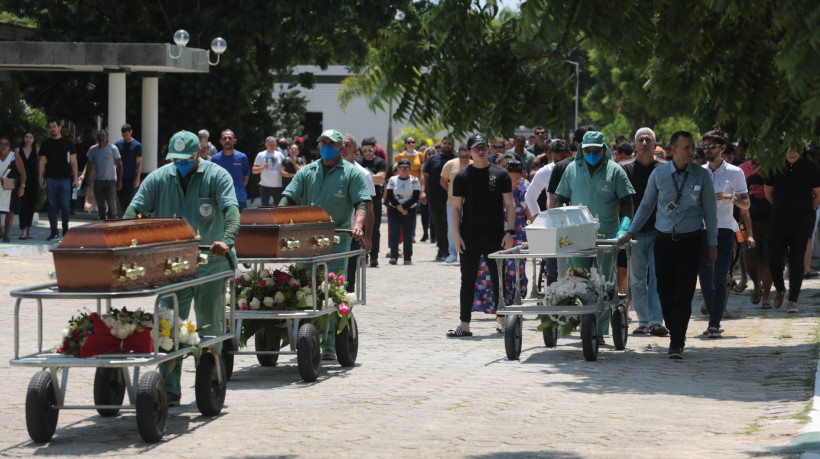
x,y
561,230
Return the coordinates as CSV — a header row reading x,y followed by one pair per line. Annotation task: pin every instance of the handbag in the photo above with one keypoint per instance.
x,y
8,183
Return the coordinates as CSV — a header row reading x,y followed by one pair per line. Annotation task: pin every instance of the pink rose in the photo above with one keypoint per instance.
x,y
282,276
238,281
343,309
244,307
261,284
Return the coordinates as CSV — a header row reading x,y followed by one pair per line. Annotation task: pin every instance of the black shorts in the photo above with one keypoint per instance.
x,y
621,263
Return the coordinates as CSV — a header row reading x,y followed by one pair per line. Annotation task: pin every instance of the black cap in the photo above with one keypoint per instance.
x,y
404,162
475,140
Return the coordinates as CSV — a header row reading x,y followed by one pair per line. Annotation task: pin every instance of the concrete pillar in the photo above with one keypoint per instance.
x,y
150,123
116,105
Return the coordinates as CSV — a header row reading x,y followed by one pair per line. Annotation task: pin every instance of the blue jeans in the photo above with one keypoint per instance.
x,y
643,282
451,236
58,195
713,279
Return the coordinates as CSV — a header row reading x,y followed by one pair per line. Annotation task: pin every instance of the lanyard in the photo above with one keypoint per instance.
x,y
679,190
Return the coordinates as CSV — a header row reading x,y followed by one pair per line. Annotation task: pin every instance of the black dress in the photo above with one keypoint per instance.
x,y
29,199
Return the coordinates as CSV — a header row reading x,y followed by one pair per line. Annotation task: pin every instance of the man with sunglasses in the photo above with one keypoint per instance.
x,y
539,144
131,156
592,179
481,192
236,163
202,193
378,168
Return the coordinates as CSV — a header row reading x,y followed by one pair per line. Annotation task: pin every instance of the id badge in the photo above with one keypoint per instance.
x,y
669,208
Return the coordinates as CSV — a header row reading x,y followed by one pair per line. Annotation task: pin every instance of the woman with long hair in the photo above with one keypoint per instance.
x,y
31,159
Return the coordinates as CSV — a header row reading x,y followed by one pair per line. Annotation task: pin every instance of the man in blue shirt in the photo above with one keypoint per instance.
x,y
683,194
131,156
236,163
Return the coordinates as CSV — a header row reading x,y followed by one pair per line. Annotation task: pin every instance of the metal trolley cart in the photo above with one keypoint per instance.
x,y
303,337
146,393
588,312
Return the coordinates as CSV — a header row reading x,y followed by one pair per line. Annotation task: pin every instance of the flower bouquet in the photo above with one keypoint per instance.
x,y
288,289
121,330
577,288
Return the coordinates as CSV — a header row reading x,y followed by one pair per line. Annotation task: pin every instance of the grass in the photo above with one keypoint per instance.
x,y
755,426
804,415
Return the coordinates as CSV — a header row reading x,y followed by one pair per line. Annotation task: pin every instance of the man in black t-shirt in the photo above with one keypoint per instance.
x,y
437,195
794,192
58,175
481,191
378,167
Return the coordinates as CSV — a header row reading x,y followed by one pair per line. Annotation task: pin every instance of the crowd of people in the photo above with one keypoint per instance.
x,y
693,212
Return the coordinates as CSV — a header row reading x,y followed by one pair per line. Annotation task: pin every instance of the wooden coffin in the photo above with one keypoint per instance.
x,y
126,255
284,232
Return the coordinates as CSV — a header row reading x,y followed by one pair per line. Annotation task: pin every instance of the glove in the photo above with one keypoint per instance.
x,y
625,223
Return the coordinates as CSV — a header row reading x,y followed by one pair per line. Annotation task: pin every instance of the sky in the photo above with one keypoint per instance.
x,y
511,4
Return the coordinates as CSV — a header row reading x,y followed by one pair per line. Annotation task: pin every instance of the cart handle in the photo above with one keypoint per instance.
x,y
207,248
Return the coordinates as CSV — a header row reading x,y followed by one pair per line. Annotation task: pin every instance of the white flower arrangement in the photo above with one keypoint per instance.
x,y
579,287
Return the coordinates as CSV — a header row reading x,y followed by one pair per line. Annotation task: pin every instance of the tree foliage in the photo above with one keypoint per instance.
x,y
748,67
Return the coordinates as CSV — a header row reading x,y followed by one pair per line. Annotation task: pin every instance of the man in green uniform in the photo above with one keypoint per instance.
x,y
600,184
339,188
202,193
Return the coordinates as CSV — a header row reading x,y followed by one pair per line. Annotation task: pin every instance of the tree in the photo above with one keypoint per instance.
x,y
747,67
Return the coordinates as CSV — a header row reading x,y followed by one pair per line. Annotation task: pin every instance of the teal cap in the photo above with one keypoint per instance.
x,y
593,139
332,134
183,145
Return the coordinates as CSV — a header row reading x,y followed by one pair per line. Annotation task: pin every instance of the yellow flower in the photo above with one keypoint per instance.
x,y
190,326
140,329
165,328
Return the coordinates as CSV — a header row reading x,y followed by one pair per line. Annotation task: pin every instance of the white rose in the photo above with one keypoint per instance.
x,y
183,334
350,297
294,282
268,281
306,290
255,303
268,301
66,332
309,300
279,297
166,343
193,339
264,273
300,295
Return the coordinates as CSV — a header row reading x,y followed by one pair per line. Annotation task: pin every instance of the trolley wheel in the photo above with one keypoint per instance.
x,y
41,414
109,389
152,407
347,344
589,336
261,341
210,390
550,336
308,352
512,336
227,357
620,328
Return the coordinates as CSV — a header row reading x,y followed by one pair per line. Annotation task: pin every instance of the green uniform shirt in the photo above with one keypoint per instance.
x,y
209,192
336,192
600,192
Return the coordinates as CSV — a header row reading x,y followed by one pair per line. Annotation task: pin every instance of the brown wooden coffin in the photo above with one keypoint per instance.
x,y
126,255
284,232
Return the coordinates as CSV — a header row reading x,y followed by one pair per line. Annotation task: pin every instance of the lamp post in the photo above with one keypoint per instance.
x,y
181,38
577,83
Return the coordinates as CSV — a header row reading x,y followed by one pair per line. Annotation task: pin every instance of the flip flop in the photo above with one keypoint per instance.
x,y
810,275
766,305
756,297
458,333
739,287
640,331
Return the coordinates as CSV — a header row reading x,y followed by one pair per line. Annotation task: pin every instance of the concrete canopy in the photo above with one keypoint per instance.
x,y
101,57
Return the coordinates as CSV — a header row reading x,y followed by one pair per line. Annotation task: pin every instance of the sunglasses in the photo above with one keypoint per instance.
x,y
711,146
540,132
464,156
498,147
410,141
479,149
370,150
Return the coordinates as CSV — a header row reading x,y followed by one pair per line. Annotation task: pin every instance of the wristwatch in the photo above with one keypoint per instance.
x,y
511,232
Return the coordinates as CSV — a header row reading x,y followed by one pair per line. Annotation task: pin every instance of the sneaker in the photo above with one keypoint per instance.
x,y
601,341
54,236
423,238
676,352
328,354
393,261
792,307
374,263
173,399
408,262
440,258
451,258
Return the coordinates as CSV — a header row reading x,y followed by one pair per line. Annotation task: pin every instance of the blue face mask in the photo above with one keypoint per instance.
x,y
593,158
184,167
328,152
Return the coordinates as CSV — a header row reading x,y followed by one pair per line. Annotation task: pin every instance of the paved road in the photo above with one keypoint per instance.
x,y
415,393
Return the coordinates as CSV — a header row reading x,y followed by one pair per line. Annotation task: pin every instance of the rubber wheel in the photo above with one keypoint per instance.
x,y
152,407
347,344
260,340
512,336
589,337
109,389
550,336
620,328
227,357
308,352
41,416
210,390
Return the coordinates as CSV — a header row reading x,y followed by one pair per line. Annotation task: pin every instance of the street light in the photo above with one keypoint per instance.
x,y
577,82
181,39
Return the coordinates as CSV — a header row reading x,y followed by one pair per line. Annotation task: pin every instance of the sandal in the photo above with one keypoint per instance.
x,y
766,305
458,333
640,331
739,287
713,332
810,274
778,298
658,330
756,297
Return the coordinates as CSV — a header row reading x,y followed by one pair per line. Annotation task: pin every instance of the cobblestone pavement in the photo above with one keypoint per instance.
x,y
415,393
